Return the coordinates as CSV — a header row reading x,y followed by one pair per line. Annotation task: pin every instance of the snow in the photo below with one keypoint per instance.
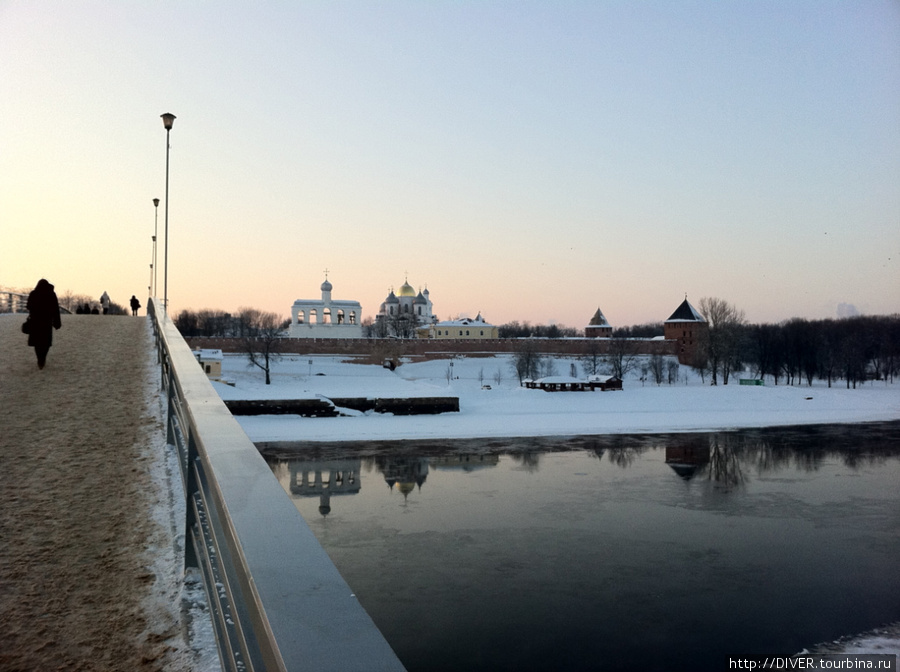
x,y
175,587
508,410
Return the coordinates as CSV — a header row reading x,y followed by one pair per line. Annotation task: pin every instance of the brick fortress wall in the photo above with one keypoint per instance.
x,y
377,350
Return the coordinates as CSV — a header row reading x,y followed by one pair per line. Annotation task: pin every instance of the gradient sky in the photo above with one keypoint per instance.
x,y
529,160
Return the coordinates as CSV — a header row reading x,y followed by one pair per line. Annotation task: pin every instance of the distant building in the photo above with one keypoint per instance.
x,y
462,328
690,329
211,362
325,318
403,313
598,327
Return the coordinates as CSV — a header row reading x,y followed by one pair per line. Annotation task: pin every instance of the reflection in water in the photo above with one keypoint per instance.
x,y
323,479
725,459
470,463
405,472
515,554
687,455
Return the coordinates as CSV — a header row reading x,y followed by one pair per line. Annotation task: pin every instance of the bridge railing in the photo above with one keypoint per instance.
x,y
13,302
276,599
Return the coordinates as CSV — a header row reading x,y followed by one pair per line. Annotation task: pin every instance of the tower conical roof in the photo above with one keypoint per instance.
x,y
686,313
599,320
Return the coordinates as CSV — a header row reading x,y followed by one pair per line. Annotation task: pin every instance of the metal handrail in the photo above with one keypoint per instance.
x,y
276,599
13,302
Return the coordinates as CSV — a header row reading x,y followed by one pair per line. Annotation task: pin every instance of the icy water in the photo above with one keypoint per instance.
x,y
610,553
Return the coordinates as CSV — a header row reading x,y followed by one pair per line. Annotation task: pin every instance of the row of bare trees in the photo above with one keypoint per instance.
x,y
259,333
796,351
852,349
525,329
211,323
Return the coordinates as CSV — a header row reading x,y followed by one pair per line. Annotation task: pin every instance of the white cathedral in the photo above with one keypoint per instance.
x,y
325,318
402,313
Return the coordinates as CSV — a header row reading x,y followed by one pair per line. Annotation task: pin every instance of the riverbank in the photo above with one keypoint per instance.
x,y
492,404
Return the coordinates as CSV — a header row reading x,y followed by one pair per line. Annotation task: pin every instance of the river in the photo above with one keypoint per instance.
x,y
610,553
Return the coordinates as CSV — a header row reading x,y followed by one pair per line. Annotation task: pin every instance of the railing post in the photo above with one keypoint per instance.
x,y
190,514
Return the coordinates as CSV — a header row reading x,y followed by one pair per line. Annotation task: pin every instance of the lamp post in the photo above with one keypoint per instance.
x,y
168,120
155,227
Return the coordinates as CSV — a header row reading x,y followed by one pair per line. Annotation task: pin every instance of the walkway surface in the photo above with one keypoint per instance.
x,y
81,581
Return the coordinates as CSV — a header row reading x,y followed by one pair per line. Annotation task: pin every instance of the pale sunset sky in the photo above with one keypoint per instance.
x,y
529,160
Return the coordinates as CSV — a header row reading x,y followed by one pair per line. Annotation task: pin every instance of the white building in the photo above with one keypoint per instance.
x,y
325,318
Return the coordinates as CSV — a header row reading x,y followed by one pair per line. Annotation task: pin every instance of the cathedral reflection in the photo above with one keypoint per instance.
x,y
405,472
330,478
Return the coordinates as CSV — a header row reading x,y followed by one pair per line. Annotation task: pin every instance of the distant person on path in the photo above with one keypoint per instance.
x,y
104,301
43,318
135,304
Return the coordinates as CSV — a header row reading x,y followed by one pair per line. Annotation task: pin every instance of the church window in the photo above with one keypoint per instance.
x,y
420,310
392,310
301,316
352,317
326,315
340,317
313,316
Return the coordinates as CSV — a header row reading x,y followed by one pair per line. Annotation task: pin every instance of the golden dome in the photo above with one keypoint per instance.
x,y
406,290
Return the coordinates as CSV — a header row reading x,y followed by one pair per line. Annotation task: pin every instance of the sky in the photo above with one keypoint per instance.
x,y
526,160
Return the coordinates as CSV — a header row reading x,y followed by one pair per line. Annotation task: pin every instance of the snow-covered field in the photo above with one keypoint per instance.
x,y
508,410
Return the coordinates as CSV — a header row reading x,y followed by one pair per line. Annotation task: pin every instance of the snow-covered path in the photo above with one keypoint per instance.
x,y
86,557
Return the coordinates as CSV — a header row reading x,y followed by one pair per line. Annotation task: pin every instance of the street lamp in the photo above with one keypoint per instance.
x,y
168,120
155,226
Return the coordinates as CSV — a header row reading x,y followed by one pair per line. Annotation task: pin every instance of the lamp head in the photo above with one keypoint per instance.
x,y
155,202
168,120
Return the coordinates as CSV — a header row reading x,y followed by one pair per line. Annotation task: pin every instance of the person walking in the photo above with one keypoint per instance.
x,y
104,301
43,318
135,304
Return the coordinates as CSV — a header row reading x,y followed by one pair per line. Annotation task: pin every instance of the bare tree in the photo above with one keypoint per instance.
x,y
672,371
622,356
245,321
263,343
723,342
527,360
657,368
403,325
592,359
